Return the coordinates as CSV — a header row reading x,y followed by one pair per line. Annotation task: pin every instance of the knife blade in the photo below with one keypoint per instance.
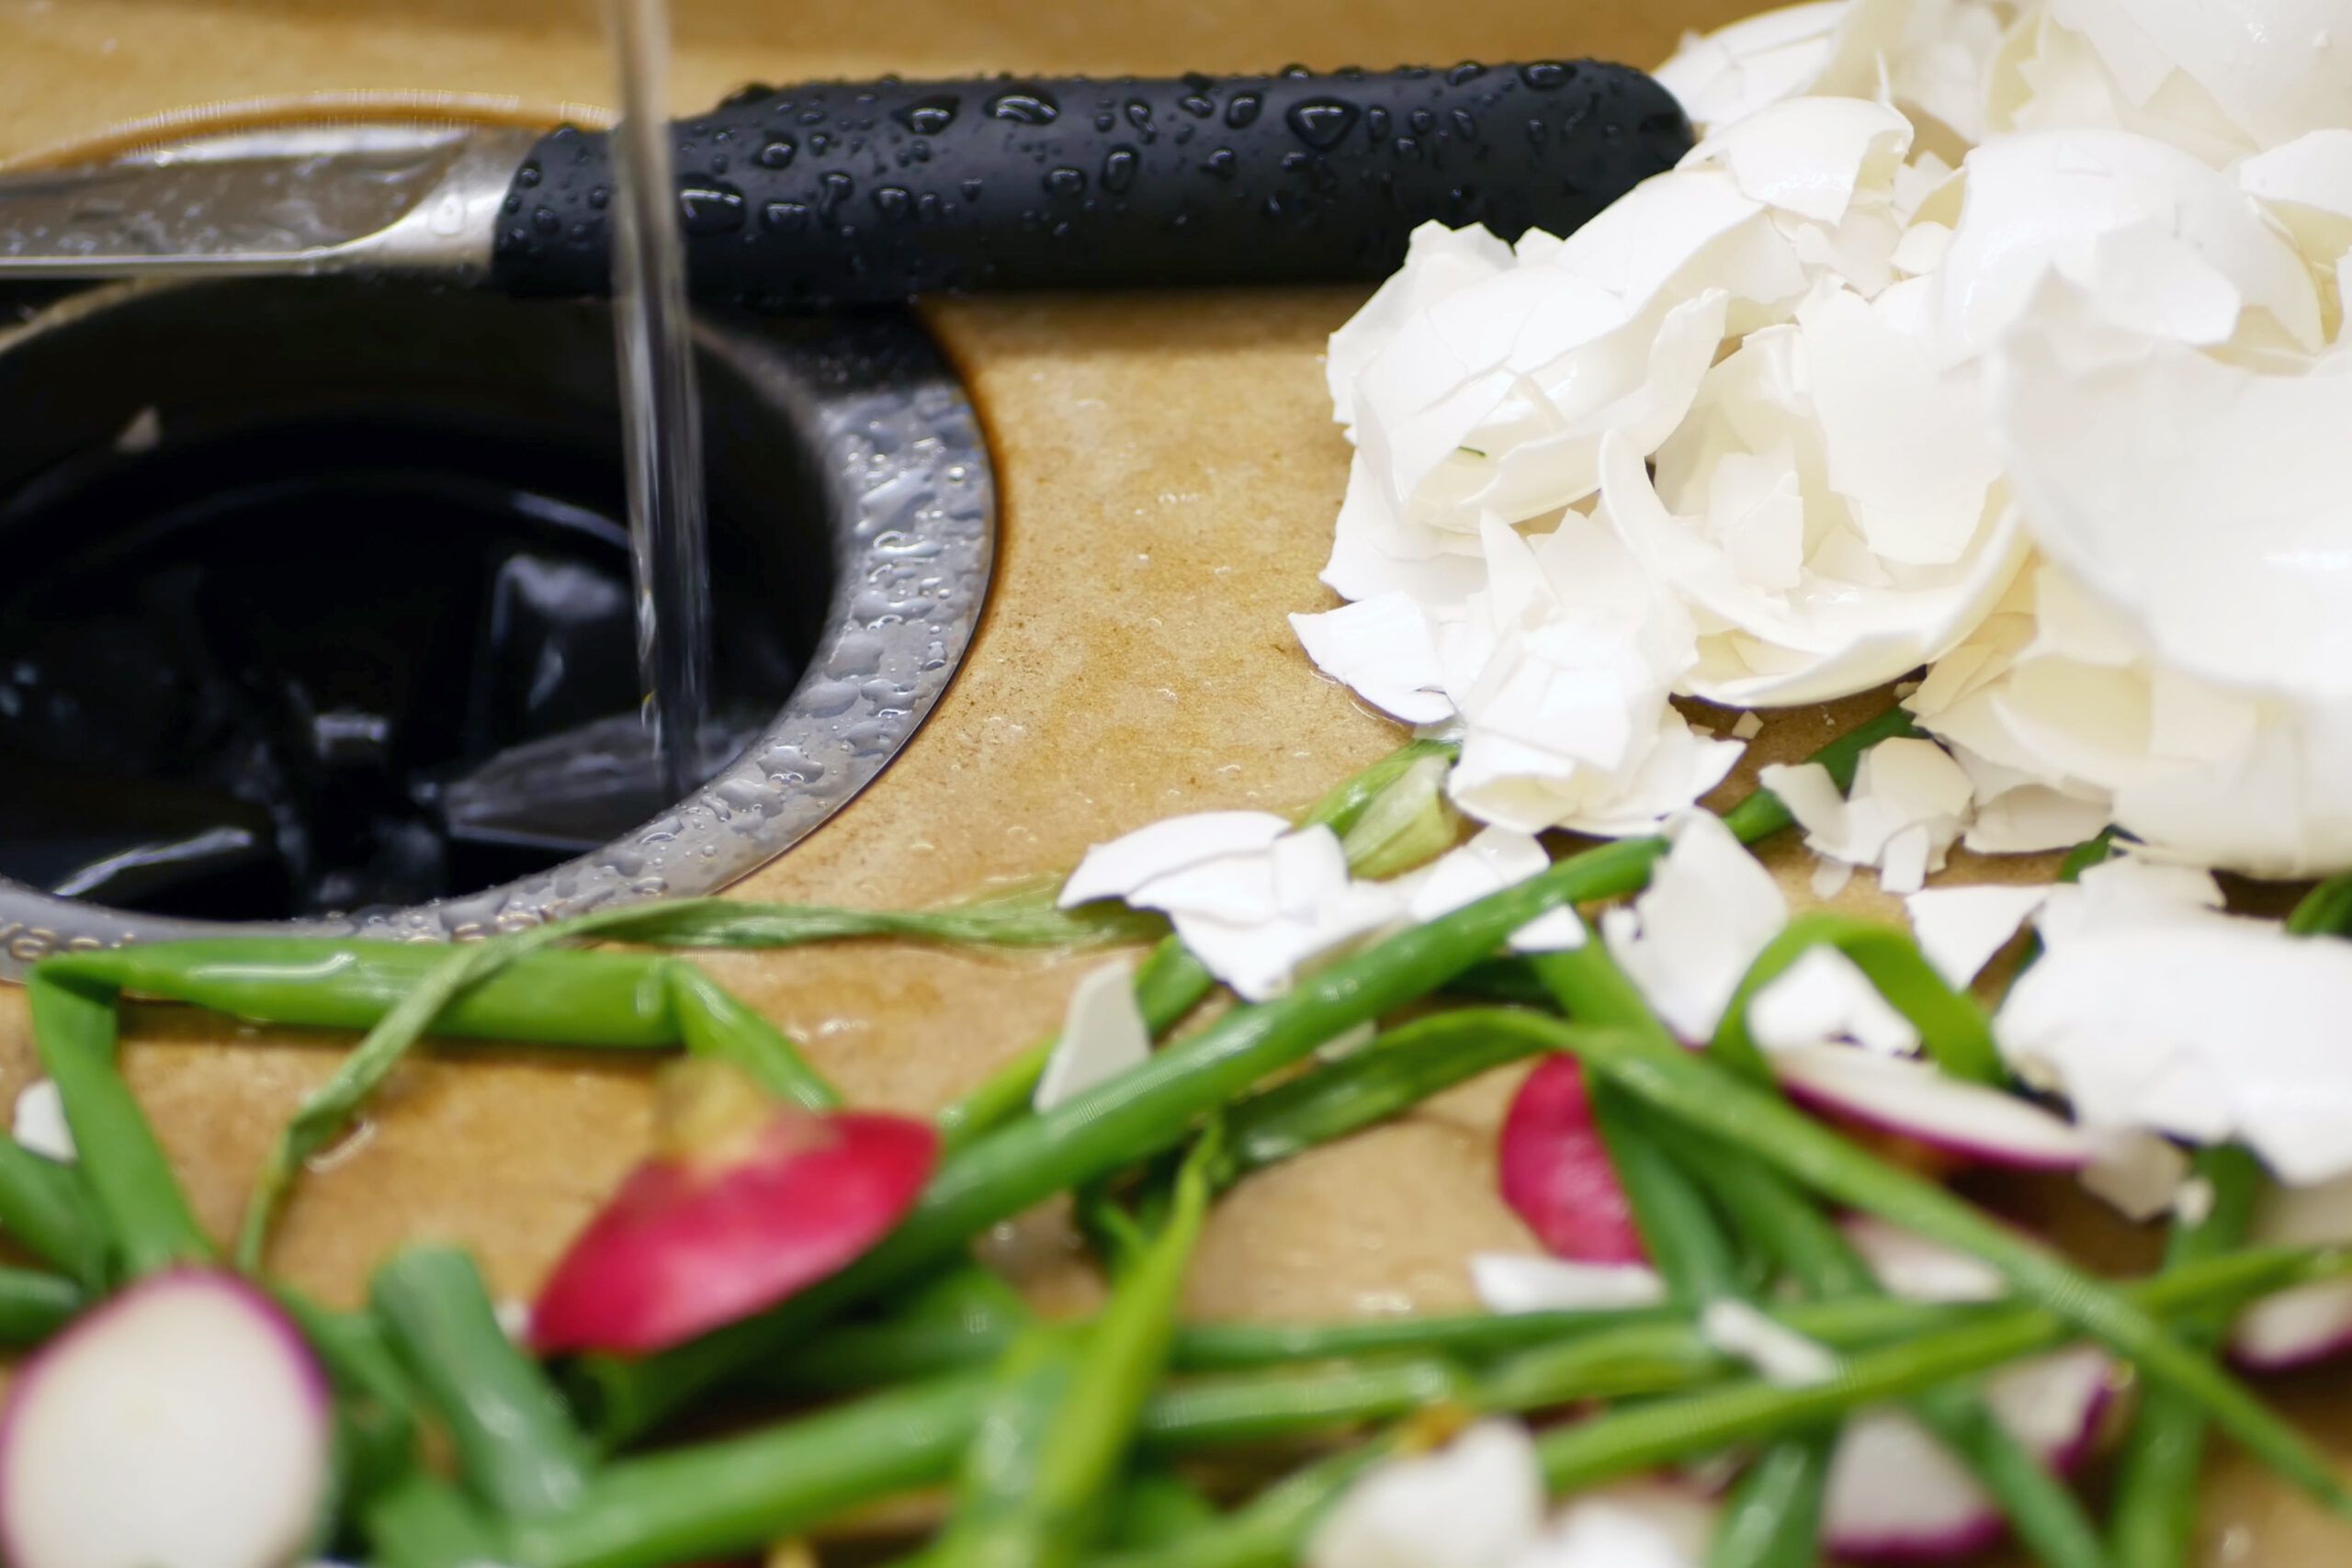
x,y
849,193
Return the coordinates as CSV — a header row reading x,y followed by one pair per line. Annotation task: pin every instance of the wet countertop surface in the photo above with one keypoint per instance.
x,y
1168,474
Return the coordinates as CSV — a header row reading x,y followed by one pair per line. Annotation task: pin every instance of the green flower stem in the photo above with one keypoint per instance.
x,y
1170,984
706,1502
1707,1098
146,1216
2156,1488
1388,1076
421,1521
1773,1520
723,1496
375,1402
516,1448
51,1211
34,1305
1954,1031
1039,1478
711,1021
1127,1119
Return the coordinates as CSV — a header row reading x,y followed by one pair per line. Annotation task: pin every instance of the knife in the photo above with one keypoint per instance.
x,y
847,193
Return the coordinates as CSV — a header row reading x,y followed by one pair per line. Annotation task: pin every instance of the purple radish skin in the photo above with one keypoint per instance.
x,y
184,1424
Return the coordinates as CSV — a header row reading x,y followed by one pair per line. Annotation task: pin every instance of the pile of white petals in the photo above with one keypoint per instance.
x,y
2004,339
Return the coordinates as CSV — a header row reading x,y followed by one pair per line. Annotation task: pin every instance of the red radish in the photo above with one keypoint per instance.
x,y
185,1422
1556,1170
1894,1493
2310,1323
1915,1099
744,1202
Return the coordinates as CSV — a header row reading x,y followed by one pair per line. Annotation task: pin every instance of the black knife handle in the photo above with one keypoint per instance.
x,y
839,193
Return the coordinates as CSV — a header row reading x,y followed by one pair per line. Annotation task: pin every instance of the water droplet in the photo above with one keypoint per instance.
x,y
928,116
785,216
1025,106
1139,116
1243,110
1321,122
1196,105
777,154
600,198
1296,72
528,175
1421,121
1543,75
833,189
1118,169
971,189
1463,126
1222,163
710,209
813,114
1375,121
1468,70
1406,147
1066,182
547,222
893,202
819,141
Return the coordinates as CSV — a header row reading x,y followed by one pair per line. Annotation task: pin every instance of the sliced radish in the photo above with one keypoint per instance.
x,y
186,1422
745,1202
1896,1493
1555,1171
2310,1323
1915,1099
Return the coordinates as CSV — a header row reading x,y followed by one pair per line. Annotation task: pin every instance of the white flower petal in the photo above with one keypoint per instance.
x,y
1807,155
1780,1354
1663,1531
39,1124
1960,928
2146,226
1469,1504
2232,553
1116,869
2307,186
1823,997
1104,1035
1383,649
1514,1282
1688,938
2206,1029
2139,1174
1724,76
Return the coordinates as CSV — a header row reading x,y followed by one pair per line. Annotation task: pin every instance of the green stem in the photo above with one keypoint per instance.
x,y
712,1022
1134,1116
2156,1489
516,1448
148,1222
1042,1475
1955,1033
1773,1520
34,1305
1705,1097
50,1210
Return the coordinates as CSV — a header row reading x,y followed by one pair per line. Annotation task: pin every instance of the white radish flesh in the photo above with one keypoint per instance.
x,y
2310,1323
1897,1495
184,1425
1917,1101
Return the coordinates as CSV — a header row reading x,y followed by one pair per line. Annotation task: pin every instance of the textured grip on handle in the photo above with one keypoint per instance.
x,y
842,192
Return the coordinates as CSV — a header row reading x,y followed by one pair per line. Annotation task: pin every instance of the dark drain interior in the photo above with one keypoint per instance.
x,y
344,620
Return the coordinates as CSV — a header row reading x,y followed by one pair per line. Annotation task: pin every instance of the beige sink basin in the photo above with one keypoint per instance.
x,y
1168,474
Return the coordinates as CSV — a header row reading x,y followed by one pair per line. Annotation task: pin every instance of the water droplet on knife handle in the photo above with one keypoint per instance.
x,y
895,189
